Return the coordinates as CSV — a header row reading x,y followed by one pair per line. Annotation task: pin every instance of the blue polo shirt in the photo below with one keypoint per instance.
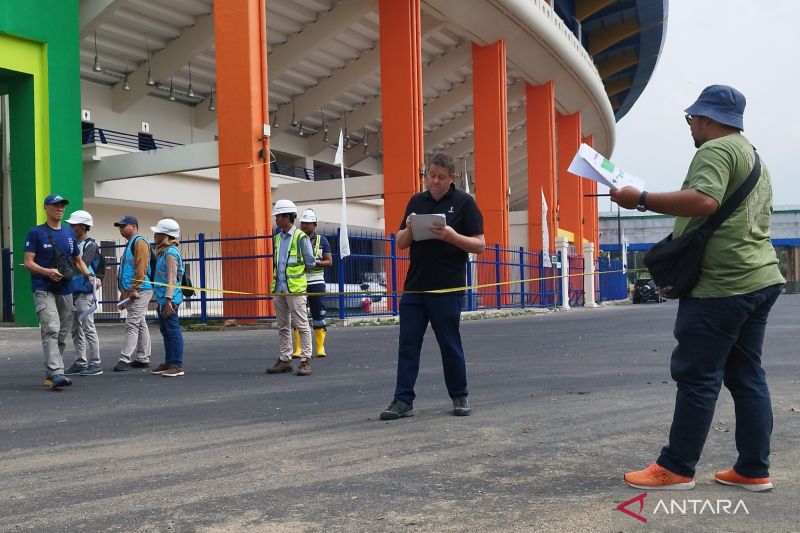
x,y
39,243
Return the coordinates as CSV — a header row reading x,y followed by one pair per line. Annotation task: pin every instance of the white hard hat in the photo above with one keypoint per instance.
x,y
167,226
284,207
308,216
81,217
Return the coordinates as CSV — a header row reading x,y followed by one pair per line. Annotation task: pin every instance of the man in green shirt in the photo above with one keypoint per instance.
x,y
720,324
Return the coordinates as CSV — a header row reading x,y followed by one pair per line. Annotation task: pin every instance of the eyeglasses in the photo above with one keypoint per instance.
x,y
689,119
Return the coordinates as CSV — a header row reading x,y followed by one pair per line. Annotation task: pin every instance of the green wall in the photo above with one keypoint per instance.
x,y
40,71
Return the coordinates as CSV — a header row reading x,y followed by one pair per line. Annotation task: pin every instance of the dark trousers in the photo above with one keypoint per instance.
x,y
173,337
719,341
443,311
316,305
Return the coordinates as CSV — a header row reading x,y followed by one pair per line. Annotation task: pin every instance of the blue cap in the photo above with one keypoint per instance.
x,y
127,219
55,199
721,103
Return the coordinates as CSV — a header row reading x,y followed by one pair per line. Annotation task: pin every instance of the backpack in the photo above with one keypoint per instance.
x,y
186,281
99,262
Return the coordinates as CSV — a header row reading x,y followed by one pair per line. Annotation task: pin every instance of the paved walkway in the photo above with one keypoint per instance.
x,y
563,404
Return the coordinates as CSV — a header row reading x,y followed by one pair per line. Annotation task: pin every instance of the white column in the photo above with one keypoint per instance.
x,y
588,277
562,247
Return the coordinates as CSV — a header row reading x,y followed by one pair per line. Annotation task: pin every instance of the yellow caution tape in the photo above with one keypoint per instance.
x,y
390,293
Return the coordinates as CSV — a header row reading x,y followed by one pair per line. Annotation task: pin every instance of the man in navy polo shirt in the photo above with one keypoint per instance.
x,y
438,263
52,292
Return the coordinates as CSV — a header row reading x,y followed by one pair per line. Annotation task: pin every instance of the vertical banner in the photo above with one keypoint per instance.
x,y
624,252
344,242
545,235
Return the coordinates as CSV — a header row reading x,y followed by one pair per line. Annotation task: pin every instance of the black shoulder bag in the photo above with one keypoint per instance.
x,y
64,264
675,263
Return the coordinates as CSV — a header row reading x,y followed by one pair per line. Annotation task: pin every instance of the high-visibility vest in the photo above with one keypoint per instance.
x,y
316,274
160,291
295,265
127,267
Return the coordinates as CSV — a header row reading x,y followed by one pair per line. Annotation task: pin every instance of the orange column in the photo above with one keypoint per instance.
x,y
491,154
541,129
401,105
401,109
590,210
241,59
570,186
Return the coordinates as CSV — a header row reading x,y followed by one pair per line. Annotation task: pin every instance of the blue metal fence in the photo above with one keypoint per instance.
x,y
361,284
613,283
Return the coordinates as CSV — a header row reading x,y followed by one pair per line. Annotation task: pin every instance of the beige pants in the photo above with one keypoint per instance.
x,y
55,318
291,313
84,335
137,336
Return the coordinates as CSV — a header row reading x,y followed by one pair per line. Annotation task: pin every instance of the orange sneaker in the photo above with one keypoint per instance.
x,y
754,484
657,477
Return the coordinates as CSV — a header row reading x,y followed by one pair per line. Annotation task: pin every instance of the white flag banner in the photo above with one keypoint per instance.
x,y
624,252
344,241
545,235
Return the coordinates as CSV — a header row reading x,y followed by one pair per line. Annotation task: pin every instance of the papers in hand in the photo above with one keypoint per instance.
x,y
123,303
589,164
421,225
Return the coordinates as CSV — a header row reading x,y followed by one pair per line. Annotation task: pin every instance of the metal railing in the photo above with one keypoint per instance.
x,y
360,285
129,140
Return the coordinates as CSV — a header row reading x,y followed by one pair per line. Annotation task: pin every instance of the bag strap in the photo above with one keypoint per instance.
x,y
736,199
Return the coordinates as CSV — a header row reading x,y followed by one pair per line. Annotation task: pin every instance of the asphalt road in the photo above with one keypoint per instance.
x,y
563,404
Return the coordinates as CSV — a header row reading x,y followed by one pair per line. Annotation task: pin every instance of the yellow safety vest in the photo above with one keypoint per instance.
x,y
295,265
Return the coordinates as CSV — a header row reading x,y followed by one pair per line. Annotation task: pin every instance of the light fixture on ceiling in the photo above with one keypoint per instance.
x,y
96,67
212,103
190,92
300,128
275,120
171,96
294,120
324,127
150,81
125,85
366,136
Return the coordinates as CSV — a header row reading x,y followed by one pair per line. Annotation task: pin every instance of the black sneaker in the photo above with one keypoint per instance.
x,y
396,410
74,369
122,366
139,364
461,406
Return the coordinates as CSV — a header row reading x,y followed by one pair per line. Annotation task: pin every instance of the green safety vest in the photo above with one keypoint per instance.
x,y
295,266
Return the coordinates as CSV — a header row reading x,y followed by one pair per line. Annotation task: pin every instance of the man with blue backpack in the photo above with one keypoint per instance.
x,y
136,291
84,333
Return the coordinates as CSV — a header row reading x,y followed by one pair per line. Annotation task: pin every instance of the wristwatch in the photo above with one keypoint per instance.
x,y
641,207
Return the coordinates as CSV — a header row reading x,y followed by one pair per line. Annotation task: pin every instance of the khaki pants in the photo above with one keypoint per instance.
x,y
55,319
84,335
137,336
291,313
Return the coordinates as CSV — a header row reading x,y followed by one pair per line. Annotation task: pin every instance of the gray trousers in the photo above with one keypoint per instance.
x,y
137,336
84,335
55,319
291,312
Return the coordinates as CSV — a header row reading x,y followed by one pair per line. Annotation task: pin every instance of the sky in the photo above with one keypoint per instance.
x,y
749,45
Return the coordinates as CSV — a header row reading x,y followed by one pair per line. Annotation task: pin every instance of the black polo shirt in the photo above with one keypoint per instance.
x,y
436,264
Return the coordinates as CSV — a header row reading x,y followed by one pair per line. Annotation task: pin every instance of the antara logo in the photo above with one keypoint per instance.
x,y
640,499
671,507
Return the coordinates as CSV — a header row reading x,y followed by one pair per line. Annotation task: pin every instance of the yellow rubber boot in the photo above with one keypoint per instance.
x,y
319,340
296,353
